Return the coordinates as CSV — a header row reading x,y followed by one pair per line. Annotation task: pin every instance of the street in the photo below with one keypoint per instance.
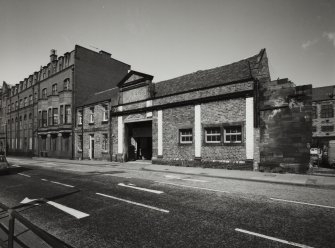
x,y
118,206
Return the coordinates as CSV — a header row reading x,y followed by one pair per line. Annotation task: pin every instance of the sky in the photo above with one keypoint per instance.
x,y
170,38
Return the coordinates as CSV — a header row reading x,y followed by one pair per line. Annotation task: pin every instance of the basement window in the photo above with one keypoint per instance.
x,y
185,136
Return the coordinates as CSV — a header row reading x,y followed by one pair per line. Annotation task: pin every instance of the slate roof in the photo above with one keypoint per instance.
x,y
102,96
323,93
237,71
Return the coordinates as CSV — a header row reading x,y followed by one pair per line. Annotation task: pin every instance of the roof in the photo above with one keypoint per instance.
x,y
323,93
234,72
102,96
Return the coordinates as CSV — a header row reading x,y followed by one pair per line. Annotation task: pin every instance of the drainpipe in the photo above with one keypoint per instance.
x,y
73,110
82,133
110,138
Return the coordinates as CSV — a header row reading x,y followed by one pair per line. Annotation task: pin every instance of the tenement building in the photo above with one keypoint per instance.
x,y
207,117
38,110
323,116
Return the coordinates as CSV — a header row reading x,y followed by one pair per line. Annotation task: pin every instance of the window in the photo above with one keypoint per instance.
x,y
55,116
213,135
80,142
314,112
66,84
61,119
314,129
25,102
30,99
50,117
44,118
233,134
16,104
21,103
67,114
105,113
44,93
54,89
185,136
327,128
105,142
20,124
92,115
36,96
80,117
25,122
327,111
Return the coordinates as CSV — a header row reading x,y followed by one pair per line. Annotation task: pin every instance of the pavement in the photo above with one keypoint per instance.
x,y
318,180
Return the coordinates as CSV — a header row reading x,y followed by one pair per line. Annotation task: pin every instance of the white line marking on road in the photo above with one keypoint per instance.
x,y
111,175
272,238
23,175
135,203
67,169
15,165
76,213
303,203
132,186
44,179
66,185
194,180
173,176
187,186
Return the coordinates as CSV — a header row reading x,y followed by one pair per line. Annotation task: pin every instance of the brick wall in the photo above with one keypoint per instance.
x,y
220,112
95,72
96,129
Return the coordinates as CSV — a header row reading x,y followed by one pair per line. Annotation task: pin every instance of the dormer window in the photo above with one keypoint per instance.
x,y
54,90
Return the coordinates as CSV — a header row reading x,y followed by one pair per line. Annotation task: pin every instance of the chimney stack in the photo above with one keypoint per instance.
x,y
53,55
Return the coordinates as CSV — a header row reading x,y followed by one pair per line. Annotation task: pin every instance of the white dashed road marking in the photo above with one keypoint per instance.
x,y
71,211
23,175
112,175
134,203
45,180
66,185
303,203
172,176
194,180
132,186
15,165
272,238
193,187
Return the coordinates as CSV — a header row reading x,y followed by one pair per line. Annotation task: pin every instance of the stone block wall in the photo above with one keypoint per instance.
x,y
285,124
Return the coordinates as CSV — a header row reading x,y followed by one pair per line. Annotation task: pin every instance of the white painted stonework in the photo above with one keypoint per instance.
x,y
160,133
249,127
120,130
197,130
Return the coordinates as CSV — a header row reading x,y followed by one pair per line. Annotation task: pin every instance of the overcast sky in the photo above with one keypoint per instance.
x,y
169,38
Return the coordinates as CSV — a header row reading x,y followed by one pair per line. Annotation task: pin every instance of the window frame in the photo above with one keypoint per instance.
x,y
232,134
181,136
207,135
327,110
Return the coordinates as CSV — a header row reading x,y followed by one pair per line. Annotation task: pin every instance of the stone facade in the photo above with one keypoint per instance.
x,y
285,124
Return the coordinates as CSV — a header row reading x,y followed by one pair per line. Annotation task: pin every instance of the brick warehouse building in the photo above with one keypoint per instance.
x,y
207,117
37,113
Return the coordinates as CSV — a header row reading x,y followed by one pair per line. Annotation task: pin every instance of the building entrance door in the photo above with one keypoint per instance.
x,y
139,140
91,146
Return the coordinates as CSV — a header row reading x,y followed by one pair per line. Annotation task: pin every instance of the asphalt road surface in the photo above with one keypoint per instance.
x,y
132,208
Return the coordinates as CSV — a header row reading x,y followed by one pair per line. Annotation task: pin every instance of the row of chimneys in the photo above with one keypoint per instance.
x,y
53,55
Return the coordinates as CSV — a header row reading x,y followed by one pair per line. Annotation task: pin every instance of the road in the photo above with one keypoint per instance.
x,y
118,207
